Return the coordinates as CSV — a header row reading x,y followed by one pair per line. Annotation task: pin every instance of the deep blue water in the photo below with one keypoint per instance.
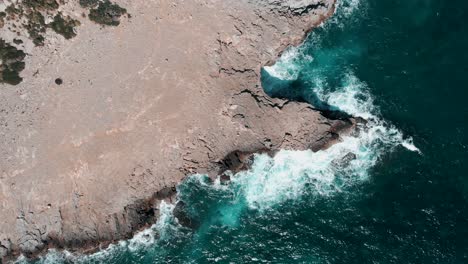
x,y
401,64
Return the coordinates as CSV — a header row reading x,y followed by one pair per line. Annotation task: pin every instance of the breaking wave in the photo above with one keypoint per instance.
x,y
166,226
289,175
329,85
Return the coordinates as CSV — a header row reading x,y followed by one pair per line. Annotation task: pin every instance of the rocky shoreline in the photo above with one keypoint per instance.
x,y
84,163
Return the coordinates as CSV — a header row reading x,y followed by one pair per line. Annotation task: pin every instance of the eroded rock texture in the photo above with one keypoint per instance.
x,y
171,91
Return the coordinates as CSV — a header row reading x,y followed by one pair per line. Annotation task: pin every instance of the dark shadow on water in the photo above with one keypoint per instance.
x,y
297,90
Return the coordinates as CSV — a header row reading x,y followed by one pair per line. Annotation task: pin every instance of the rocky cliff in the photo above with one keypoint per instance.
x,y
106,124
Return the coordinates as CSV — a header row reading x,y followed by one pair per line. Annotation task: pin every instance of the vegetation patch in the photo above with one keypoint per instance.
x,y
36,27
12,11
11,63
27,18
41,4
64,26
30,15
107,13
89,3
2,19
17,41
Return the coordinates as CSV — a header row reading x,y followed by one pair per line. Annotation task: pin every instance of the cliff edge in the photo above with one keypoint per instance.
x,y
105,124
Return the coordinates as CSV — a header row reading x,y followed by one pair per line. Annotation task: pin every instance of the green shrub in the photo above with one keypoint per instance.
x,y
107,13
11,63
64,26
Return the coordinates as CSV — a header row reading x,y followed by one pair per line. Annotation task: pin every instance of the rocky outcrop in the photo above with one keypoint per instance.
x,y
172,91
295,7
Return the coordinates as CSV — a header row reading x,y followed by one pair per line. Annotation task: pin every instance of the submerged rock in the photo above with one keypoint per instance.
x,y
345,160
183,217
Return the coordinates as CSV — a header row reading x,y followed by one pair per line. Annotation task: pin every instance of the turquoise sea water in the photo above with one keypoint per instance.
x,y
400,64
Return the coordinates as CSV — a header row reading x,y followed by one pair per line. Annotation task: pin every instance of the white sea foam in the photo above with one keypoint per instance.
x,y
164,227
160,231
287,67
52,257
142,239
291,173
352,97
347,8
409,145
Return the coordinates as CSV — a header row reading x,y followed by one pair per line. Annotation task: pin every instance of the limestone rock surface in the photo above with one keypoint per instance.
x,y
171,91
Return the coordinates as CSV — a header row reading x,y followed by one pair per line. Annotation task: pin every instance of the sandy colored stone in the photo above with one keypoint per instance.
x,y
169,92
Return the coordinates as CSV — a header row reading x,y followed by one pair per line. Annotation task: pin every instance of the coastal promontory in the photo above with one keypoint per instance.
x,y
106,106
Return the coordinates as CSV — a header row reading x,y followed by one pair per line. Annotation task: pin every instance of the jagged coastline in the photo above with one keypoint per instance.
x,y
248,111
